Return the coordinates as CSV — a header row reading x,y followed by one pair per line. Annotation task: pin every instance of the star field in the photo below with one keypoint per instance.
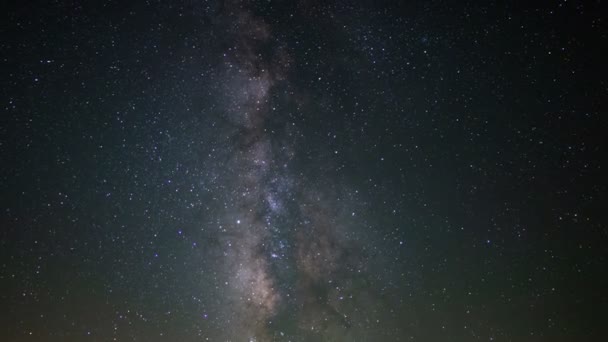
x,y
303,171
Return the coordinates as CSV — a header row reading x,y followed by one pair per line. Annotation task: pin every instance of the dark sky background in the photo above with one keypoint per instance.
x,y
303,171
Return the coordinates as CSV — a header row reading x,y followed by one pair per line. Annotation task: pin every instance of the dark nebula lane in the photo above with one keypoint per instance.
x,y
303,171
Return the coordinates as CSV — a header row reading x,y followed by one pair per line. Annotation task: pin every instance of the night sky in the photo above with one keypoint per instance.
x,y
303,171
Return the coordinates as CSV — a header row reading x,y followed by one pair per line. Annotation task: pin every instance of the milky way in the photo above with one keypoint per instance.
x,y
274,261
304,171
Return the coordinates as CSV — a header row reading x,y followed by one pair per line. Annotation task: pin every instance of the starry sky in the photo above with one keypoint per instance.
x,y
303,171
